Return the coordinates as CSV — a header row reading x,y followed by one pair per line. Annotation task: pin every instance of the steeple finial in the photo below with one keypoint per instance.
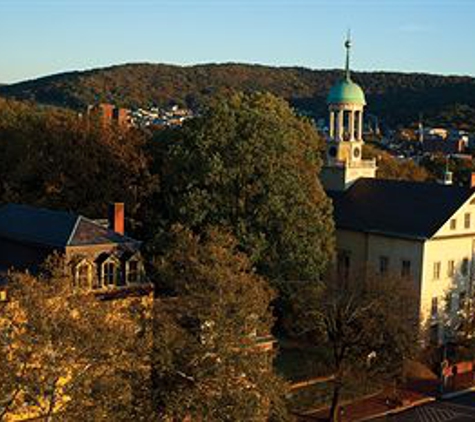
x,y
348,48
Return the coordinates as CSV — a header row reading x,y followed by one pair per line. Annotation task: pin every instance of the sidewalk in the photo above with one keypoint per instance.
x,y
414,393
366,408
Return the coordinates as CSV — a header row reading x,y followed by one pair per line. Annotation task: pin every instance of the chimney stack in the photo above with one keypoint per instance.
x,y
117,217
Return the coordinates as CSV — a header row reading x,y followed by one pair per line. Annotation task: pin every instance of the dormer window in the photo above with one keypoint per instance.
x,y
133,272
109,274
83,275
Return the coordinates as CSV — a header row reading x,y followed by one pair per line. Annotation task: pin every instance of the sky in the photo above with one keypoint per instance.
x,y
42,37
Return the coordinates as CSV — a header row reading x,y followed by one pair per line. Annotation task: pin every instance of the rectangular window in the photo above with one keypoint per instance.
x,y
462,298
467,220
451,268
434,309
464,268
406,268
448,303
383,265
453,224
343,265
133,272
437,270
109,274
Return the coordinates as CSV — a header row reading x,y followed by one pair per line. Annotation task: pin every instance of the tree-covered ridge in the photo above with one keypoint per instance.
x,y
394,97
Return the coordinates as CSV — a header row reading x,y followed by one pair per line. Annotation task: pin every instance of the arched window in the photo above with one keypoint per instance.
x,y
83,276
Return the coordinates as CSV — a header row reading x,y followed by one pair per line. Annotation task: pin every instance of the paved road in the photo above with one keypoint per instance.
x,y
460,409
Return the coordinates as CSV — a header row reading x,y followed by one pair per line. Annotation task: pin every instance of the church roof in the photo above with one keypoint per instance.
x,y
50,228
414,210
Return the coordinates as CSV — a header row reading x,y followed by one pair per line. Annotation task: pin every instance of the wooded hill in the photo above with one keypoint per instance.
x,y
396,98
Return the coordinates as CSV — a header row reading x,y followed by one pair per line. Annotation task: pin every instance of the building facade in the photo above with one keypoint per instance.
x,y
99,256
421,231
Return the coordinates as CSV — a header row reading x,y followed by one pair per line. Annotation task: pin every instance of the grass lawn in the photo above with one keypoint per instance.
x,y
298,364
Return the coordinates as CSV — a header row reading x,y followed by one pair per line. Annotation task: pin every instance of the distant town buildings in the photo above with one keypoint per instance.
x,y
444,141
109,114
160,117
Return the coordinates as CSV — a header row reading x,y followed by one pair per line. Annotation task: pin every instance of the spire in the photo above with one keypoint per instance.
x,y
348,48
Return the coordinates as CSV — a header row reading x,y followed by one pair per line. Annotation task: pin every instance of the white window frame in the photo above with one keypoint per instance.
x,y
77,268
110,261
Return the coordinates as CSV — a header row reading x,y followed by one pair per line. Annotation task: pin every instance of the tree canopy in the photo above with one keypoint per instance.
x,y
66,354
54,158
392,168
250,164
208,329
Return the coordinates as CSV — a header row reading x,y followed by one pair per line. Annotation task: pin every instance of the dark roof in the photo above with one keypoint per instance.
x,y
53,228
89,232
397,208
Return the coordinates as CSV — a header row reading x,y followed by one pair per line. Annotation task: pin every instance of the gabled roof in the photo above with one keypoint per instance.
x,y
50,228
414,210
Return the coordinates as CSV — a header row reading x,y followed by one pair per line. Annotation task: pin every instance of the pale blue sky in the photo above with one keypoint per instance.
x,y
40,37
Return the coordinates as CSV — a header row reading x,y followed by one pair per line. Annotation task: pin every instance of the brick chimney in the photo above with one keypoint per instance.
x,y
117,217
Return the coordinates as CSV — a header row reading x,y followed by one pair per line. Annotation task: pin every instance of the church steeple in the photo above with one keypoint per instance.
x,y
344,162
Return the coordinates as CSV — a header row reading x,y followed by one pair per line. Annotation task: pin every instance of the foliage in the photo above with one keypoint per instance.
x,y
249,164
396,98
68,162
209,367
64,353
462,168
389,167
368,322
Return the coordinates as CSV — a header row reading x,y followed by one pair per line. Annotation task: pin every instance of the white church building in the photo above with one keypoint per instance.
x,y
421,230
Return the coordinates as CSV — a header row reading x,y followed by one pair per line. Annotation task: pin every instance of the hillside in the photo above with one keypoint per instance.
x,y
394,97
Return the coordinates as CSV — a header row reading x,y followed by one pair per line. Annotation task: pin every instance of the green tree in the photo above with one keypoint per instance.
x,y
250,165
208,364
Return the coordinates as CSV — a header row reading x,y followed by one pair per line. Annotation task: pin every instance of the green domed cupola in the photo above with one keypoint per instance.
x,y
346,91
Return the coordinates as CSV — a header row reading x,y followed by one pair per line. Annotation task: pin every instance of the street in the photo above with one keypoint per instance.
x,y
460,409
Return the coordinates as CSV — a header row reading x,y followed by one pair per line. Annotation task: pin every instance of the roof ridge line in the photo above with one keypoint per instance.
x,y
73,232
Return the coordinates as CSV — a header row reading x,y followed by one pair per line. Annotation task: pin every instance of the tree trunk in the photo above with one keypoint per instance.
x,y
335,401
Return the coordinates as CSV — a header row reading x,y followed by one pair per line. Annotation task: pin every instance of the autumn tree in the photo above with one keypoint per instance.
x,y
250,164
55,158
392,168
212,314
65,355
368,323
